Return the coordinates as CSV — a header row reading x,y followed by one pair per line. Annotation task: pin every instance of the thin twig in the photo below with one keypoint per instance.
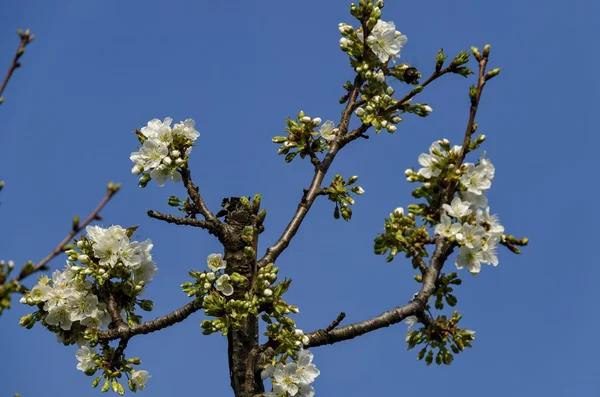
x,y
26,38
336,322
94,215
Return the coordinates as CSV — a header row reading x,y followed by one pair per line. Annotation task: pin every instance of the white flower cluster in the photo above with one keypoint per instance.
x,y
294,378
385,41
161,153
67,299
112,246
467,218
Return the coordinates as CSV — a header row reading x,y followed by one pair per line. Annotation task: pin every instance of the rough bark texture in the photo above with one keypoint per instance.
x,y
242,341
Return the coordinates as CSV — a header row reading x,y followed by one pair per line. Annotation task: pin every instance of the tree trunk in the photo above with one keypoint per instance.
x,y
242,341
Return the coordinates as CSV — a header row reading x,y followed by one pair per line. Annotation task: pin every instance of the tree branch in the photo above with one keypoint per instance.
x,y
214,228
150,326
194,194
309,196
414,307
110,192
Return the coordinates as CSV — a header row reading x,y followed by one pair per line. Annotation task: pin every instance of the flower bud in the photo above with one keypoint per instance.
x,y
396,119
167,161
408,172
83,259
80,244
399,212
306,119
211,276
316,121
391,127
146,305
137,169
175,153
207,285
179,161
390,91
145,178
427,108
360,112
267,292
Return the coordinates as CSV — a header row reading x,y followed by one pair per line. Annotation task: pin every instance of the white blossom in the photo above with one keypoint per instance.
x,y
216,262
187,129
385,41
491,221
161,173
470,258
488,250
457,208
150,155
82,306
223,285
476,179
446,228
328,131
286,379
140,378
476,200
411,321
430,166
85,358
145,271
306,372
158,131
470,235
108,243
60,316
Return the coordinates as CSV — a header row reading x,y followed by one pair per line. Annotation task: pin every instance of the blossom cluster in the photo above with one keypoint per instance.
x,y
292,378
467,218
72,295
68,299
73,301
164,150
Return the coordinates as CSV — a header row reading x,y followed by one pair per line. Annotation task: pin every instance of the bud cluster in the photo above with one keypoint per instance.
x,y
6,289
113,369
303,138
402,235
339,192
440,334
164,150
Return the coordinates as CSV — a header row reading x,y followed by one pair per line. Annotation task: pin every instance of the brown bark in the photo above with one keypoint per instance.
x,y
242,341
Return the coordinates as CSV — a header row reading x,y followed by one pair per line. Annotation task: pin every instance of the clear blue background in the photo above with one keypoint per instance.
x,y
98,70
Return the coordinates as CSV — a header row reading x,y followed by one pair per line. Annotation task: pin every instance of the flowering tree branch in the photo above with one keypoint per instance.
x,y
26,38
321,169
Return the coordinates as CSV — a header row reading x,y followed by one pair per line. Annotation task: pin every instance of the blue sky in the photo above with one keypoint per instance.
x,y
98,70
